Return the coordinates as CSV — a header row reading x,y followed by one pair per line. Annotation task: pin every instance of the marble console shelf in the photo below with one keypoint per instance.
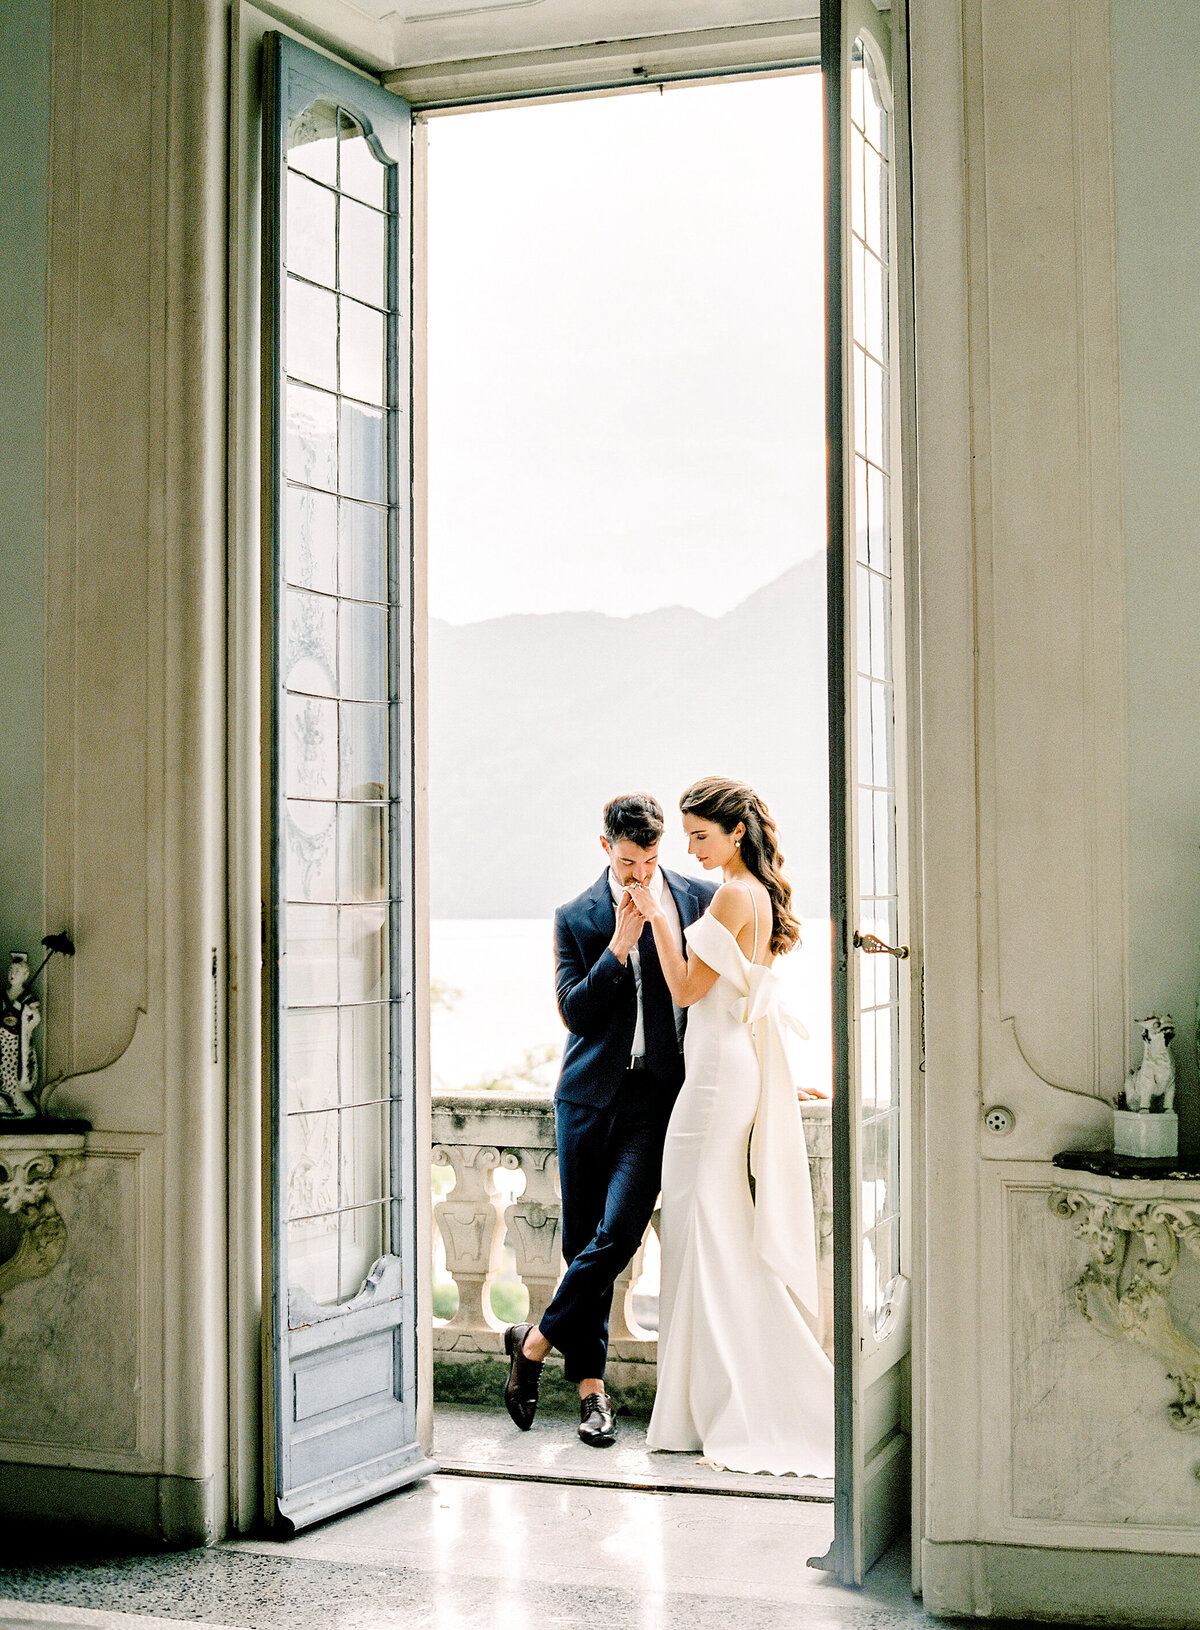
x,y
1134,1227
31,1159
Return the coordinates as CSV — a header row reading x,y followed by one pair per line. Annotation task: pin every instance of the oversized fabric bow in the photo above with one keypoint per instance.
x,y
784,1230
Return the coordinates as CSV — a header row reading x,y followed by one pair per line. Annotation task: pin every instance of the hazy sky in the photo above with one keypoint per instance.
x,y
625,350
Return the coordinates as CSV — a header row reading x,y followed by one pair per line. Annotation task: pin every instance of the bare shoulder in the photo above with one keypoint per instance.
x,y
732,906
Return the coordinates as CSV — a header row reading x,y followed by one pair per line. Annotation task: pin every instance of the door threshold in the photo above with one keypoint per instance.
x,y
814,1490
473,1441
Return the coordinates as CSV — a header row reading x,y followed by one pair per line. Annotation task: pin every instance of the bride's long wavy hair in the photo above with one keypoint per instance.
x,y
726,802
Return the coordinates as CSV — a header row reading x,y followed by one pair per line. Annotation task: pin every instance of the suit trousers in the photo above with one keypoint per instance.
x,y
610,1171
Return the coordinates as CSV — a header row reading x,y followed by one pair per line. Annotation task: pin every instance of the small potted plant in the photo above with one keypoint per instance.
x,y
1145,1124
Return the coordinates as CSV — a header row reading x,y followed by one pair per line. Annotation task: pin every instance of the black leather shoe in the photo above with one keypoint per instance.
x,y
596,1424
521,1388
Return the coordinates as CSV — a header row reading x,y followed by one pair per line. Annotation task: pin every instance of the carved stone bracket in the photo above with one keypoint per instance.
x,y
1125,1288
29,1163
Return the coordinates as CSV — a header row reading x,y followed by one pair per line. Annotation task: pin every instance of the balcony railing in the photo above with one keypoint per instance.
x,y
480,1134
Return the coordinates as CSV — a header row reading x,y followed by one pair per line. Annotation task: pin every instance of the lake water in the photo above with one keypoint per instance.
x,y
494,1016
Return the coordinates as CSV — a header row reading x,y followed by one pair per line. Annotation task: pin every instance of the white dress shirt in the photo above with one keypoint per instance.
x,y
671,911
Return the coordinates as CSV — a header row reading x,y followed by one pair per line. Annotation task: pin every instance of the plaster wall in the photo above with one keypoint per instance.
x,y
112,1389
1053,295
25,92
1156,127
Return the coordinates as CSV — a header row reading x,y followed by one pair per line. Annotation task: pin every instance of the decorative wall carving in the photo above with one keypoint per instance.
x,y
1125,1289
28,1165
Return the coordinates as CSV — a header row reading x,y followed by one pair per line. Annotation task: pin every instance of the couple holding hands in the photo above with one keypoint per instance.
x,y
675,1075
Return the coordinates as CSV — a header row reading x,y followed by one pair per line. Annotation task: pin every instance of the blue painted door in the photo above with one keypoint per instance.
x,y
340,1344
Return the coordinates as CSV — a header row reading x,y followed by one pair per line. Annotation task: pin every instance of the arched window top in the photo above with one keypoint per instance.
x,y
328,144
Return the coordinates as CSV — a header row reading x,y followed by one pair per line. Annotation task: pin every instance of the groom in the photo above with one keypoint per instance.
x,y
621,1071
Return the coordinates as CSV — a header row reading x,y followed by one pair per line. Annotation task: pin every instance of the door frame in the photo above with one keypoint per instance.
x,y
442,89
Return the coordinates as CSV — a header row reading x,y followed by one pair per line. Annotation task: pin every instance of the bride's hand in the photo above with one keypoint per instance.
x,y
805,1094
646,902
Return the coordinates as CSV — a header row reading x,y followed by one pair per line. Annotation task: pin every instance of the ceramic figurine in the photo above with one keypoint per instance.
x,y
1145,1125
20,1015
1151,1086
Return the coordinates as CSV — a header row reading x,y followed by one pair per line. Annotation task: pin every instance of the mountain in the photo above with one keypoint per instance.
x,y
535,721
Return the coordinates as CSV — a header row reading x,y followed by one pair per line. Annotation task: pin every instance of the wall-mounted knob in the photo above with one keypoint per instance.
x,y
998,1120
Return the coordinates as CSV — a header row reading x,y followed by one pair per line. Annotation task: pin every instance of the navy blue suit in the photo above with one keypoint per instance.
x,y
610,1121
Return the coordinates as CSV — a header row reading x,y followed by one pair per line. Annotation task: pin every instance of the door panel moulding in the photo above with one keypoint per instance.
x,y
1019,1581
611,65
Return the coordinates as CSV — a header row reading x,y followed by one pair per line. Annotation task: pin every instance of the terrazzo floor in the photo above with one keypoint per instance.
x,y
475,1440
468,1553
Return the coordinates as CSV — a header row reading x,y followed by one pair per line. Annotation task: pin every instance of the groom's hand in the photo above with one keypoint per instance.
x,y
630,923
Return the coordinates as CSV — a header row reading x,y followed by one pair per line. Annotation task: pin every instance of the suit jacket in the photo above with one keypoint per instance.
x,y
597,996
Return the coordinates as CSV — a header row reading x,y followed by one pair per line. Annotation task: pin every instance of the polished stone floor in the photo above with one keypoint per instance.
x,y
468,1438
472,1553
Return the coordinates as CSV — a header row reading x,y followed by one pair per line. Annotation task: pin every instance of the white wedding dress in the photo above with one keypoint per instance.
x,y
740,1374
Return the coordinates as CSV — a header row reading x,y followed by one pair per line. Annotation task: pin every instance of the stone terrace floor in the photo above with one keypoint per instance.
x,y
457,1553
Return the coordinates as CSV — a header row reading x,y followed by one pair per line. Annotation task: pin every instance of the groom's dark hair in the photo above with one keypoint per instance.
x,y
636,817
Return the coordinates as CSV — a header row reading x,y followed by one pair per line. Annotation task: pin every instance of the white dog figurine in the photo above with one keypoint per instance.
x,y
1155,1076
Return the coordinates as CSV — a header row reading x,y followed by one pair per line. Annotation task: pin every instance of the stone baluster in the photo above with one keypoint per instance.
x,y
534,1222
469,1223
622,1326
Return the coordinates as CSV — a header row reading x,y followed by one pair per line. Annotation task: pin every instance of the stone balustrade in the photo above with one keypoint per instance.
x,y
477,1135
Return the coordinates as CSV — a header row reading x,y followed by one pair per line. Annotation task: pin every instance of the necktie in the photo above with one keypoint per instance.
x,y
658,1016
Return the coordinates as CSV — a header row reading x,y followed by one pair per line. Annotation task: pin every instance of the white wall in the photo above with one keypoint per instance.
x,y
124,387
1156,140
1056,1484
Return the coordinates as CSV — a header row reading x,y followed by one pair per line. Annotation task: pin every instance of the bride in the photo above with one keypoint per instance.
x,y
740,1374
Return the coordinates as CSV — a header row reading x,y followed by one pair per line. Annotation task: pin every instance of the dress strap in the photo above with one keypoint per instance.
x,y
754,909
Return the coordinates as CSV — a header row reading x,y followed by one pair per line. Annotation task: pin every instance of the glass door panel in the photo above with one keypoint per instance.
x,y
872,975
339,891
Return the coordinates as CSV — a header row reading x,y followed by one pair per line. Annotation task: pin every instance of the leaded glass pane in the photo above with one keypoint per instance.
x,y
363,636
310,843
363,470
364,953
310,539
310,643
312,1149
362,852
311,231
364,351
364,1239
337,670
363,751
877,977
365,1153
362,263
365,1051
311,334
362,546
312,1060
312,955
312,142
362,175
312,453
310,747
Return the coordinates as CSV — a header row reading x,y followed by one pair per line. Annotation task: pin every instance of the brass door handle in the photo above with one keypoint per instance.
x,y
873,945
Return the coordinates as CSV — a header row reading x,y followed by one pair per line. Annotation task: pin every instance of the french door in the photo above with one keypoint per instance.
x,y
340,1306
872,957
